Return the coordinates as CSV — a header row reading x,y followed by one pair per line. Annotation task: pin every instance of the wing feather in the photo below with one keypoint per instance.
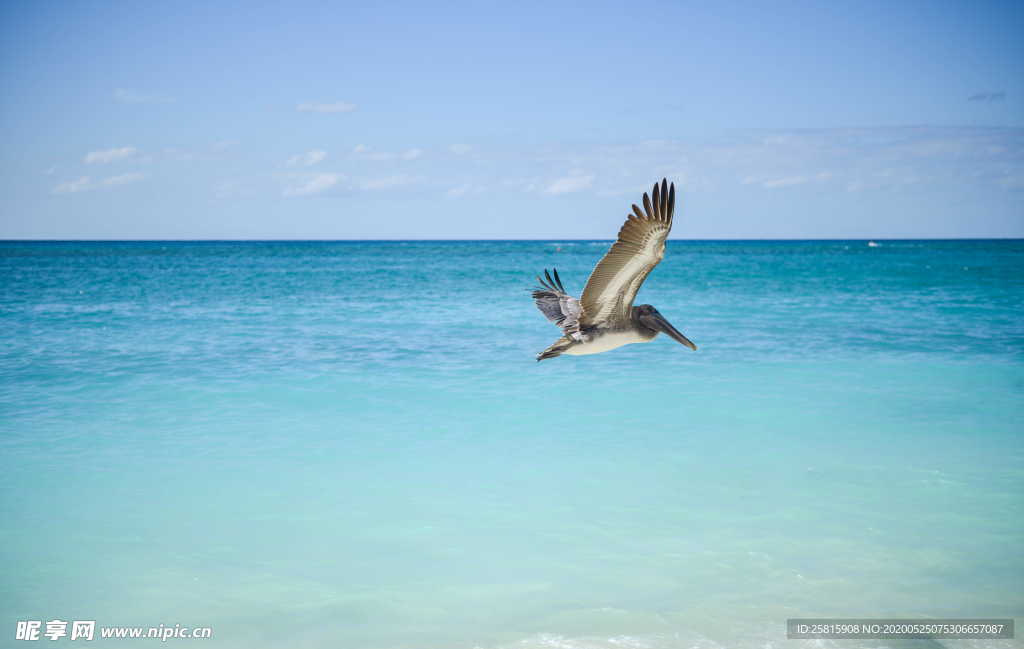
x,y
557,305
616,279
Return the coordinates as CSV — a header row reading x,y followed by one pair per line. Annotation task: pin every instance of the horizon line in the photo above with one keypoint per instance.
x,y
559,239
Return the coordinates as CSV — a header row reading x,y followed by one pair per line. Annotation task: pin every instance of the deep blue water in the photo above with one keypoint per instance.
x,y
349,444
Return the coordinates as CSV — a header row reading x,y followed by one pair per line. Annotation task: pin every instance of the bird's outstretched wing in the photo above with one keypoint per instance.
x,y
614,283
557,305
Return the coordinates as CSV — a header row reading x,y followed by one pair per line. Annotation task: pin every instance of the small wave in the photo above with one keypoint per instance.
x,y
873,244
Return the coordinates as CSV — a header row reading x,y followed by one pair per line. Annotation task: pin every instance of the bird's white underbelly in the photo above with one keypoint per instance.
x,y
604,343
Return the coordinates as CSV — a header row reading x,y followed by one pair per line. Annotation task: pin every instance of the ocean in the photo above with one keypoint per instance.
x,y
350,444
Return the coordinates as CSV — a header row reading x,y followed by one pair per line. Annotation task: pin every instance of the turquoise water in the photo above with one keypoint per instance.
x,y
350,445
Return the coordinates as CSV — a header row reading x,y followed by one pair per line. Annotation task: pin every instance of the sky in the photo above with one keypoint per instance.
x,y
498,120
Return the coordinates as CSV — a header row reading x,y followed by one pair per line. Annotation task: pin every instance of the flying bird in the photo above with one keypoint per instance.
x,y
604,317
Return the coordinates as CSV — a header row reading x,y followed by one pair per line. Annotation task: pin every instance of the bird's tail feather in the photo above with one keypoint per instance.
x,y
555,349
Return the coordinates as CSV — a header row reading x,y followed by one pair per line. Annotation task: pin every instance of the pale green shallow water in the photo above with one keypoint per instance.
x,y
350,445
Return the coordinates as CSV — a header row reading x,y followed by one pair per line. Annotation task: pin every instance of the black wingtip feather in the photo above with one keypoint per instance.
x,y
660,204
664,199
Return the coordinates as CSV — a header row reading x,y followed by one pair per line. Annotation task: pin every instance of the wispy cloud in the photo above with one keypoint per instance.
x,y
889,159
787,181
997,95
312,184
792,162
336,107
388,182
366,153
73,186
214,150
305,183
123,179
784,182
127,96
85,183
363,151
307,159
109,155
569,184
460,149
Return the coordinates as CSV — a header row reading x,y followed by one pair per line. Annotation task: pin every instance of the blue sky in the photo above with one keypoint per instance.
x,y
510,120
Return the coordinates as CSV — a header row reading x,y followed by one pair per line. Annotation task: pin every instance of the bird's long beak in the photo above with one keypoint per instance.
x,y
661,324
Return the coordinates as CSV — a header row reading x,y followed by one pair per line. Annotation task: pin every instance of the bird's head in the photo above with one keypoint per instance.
x,y
649,317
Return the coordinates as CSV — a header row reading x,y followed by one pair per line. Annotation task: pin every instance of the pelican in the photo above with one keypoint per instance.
x,y
604,317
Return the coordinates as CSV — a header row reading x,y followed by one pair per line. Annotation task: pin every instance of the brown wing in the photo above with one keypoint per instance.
x,y
614,283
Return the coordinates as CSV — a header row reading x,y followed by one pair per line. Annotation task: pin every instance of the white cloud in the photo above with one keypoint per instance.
x,y
802,159
365,152
569,184
336,107
460,149
85,183
388,182
126,96
796,163
109,155
308,183
73,186
123,179
307,159
784,182
787,181
314,184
